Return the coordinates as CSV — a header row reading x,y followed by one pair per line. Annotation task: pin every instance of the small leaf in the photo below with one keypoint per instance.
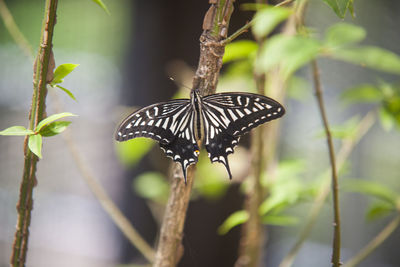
x,y
362,93
61,72
348,129
281,220
379,210
339,6
386,119
71,95
35,144
370,56
290,52
152,185
267,19
371,188
233,220
54,128
16,130
130,152
239,50
102,5
343,33
52,118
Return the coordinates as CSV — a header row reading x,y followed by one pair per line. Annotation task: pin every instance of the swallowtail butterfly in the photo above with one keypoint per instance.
x,y
219,120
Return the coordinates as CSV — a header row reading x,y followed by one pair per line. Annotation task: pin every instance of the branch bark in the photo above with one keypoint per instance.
x,y
43,70
335,185
215,29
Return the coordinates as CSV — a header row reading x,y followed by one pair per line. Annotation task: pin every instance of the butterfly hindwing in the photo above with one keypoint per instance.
x,y
171,124
227,116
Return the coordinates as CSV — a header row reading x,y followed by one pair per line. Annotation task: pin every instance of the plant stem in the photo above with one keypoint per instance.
x,y
335,183
44,65
215,28
374,243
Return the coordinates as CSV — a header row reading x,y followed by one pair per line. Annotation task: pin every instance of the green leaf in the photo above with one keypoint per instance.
x,y
130,152
71,95
371,188
280,220
233,220
348,129
379,210
342,34
61,72
54,128
298,88
386,119
52,118
340,6
370,56
16,130
152,185
102,5
267,19
290,52
35,144
362,93
239,50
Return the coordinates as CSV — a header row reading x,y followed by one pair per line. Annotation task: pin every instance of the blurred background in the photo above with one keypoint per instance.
x,y
125,60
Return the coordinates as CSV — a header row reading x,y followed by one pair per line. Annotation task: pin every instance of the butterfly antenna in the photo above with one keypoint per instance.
x,y
180,84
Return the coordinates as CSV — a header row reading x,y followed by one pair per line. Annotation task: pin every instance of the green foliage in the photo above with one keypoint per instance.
x,y
266,19
289,52
363,93
17,131
379,210
340,7
152,185
47,127
54,128
341,34
239,50
130,152
35,144
280,220
102,5
371,188
370,56
348,129
60,73
236,218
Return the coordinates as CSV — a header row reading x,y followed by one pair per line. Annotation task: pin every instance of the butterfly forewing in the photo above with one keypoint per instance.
x,y
171,124
227,116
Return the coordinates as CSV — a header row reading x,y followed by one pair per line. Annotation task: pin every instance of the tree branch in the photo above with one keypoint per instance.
x,y
43,67
215,29
335,184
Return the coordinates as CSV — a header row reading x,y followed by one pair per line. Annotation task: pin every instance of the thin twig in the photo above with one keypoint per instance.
x,y
335,182
374,243
14,31
237,33
345,150
43,66
215,28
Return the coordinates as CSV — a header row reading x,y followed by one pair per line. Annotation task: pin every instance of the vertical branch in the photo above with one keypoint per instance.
x,y
335,185
215,28
44,65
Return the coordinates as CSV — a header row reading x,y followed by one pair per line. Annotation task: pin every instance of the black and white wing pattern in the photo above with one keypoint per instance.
x,y
171,124
228,116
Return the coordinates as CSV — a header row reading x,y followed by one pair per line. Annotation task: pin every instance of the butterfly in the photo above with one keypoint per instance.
x,y
217,120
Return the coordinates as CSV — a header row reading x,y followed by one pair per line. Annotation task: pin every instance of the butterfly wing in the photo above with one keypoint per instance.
x,y
228,116
171,124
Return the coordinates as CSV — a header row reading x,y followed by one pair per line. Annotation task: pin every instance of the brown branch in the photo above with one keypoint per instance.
x,y
44,65
335,183
215,28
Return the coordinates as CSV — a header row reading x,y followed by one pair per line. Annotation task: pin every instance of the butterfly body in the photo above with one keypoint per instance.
x,y
217,121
